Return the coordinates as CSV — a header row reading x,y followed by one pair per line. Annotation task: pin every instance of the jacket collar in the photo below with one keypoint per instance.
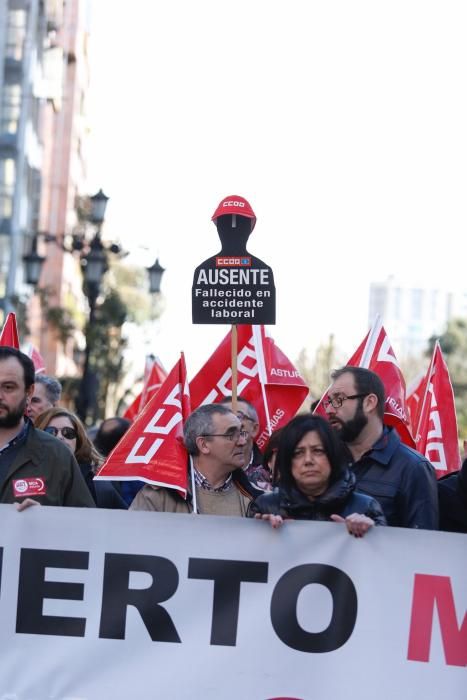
x,y
240,481
384,448
334,496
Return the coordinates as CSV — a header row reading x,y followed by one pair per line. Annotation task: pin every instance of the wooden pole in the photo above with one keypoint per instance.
x,y
234,336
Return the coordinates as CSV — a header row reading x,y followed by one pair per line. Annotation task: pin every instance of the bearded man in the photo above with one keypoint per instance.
x,y
35,468
401,479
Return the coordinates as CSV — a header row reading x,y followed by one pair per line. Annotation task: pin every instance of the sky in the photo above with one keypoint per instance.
x,y
343,123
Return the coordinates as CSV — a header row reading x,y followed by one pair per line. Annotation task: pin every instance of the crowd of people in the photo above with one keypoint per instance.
x,y
350,468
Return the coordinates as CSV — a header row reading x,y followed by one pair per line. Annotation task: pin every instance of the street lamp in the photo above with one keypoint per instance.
x,y
98,207
33,263
155,273
94,265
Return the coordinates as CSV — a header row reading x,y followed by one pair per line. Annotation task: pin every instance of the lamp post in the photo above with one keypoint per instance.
x,y
155,273
94,265
33,263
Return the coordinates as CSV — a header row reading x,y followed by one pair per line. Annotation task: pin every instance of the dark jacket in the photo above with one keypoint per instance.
x,y
45,464
402,480
104,493
339,499
452,491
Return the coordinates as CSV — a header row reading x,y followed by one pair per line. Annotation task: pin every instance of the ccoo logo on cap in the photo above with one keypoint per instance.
x,y
235,205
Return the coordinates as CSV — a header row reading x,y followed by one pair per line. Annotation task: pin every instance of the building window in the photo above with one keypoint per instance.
x,y
16,34
417,304
434,304
11,101
397,303
7,183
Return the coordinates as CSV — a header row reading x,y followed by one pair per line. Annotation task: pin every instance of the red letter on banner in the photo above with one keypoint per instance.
x,y
430,591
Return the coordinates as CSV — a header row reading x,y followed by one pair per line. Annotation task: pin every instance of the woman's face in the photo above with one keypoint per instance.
x,y
62,428
310,465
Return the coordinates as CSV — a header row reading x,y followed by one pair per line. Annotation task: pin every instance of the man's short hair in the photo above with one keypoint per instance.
x,y
25,361
366,382
252,412
52,387
200,423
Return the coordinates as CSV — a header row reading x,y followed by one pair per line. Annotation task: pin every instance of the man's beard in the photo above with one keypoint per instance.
x,y
350,430
13,416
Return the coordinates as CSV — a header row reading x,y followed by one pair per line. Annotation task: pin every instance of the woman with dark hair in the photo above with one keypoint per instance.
x,y
314,482
68,428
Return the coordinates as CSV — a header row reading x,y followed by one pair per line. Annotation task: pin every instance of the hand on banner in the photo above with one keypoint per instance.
x,y
275,520
357,524
27,503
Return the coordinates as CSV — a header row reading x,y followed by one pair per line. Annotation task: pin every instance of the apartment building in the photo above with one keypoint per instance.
x,y
44,75
411,315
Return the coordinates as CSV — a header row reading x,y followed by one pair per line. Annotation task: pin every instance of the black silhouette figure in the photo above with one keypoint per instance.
x,y
234,287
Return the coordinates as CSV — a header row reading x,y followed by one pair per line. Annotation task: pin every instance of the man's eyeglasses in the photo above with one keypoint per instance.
x,y
68,433
243,416
232,435
337,401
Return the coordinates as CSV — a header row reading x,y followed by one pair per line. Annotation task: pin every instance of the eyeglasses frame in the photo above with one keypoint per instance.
x,y
233,436
340,400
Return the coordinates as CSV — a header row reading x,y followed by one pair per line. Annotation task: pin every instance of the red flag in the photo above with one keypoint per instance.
x,y
379,356
266,378
414,397
9,334
375,353
154,376
152,449
36,357
354,361
133,409
436,436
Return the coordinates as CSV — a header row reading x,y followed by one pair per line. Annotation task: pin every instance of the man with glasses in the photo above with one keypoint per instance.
x,y
401,479
35,468
215,441
253,461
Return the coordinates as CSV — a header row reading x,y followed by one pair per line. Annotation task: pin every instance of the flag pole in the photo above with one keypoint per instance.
x,y
193,487
234,341
427,389
257,341
371,342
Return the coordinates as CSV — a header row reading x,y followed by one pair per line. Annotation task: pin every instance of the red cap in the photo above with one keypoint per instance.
x,y
235,205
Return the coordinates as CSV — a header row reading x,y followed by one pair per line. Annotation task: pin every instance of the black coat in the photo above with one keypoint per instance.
x,y
104,493
452,492
339,499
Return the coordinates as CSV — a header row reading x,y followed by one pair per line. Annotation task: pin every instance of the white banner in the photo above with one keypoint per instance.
x,y
100,605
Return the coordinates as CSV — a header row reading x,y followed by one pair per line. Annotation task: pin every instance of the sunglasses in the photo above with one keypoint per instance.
x,y
68,433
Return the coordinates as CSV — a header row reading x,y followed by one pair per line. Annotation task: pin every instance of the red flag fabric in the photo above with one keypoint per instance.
x,y
414,397
266,378
38,360
436,436
152,449
379,356
36,357
353,362
133,409
154,376
375,353
9,334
